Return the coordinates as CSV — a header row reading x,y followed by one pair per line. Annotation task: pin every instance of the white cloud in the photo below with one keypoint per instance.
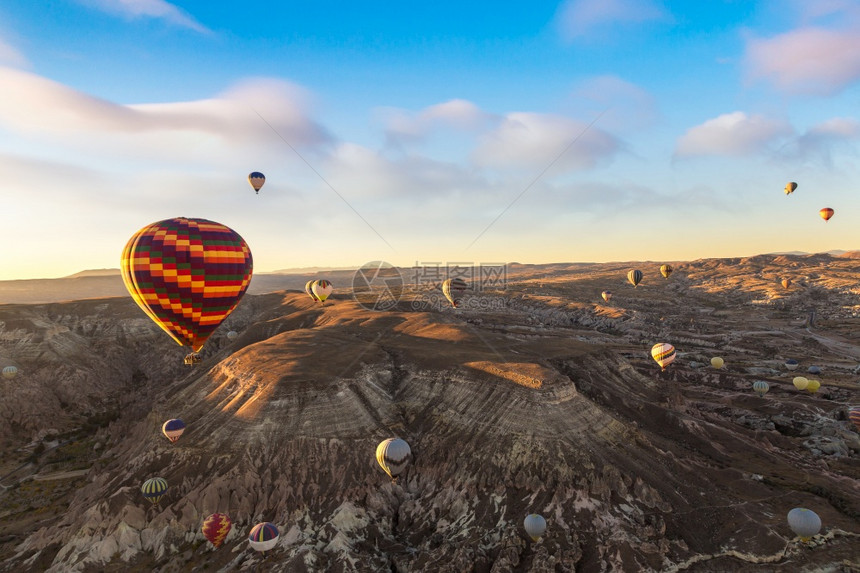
x,y
533,141
583,18
627,106
732,134
458,114
818,143
148,9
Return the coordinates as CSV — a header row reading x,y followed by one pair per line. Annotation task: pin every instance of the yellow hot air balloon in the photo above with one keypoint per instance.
x,y
663,353
786,283
790,187
322,289
826,213
717,362
800,382
666,270
607,294
813,386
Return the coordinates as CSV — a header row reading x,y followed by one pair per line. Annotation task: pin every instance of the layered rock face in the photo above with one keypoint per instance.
x,y
633,469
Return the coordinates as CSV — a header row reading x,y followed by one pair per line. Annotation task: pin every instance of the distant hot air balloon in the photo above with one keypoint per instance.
x,y
854,416
717,362
805,523
800,382
761,387
786,283
256,179
666,270
187,275
791,364
790,187
814,370
215,528
453,289
607,294
634,276
264,536
232,335
663,353
10,372
826,213
813,386
393,455
309,289
154,489
535,526
322,289
173,429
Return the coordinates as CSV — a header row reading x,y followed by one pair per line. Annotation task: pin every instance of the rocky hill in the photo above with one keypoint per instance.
x,y
535,397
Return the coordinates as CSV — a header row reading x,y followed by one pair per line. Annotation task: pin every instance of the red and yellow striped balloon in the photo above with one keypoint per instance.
x,y
216,527
854,416
187,275
663,353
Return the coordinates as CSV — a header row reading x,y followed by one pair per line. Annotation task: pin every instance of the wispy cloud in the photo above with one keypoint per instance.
x,y
588,18
819,143
402,126
732,134
821,57
627,105
159,9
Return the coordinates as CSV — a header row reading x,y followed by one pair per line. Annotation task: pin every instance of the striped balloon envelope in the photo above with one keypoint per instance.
x,y
173,429
309,290
805,523
257,180
10,372
761,387
393,455
154,489
264,536
216,527
187,275
666,270
322,289
663,354
635,277
854,416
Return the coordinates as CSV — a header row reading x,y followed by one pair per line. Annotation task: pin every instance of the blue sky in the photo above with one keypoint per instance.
x,y
629,130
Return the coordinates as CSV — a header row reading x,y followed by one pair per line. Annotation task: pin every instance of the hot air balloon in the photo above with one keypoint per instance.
x,y
256,179
232,335
813,386
187,275
322,289
663,353
535,526
10,372
826,213
634,276
309,289
216,527
173,429
666,270
154,489
393,455
814,370
607,294
854,416
453,289
761,387
264,536
790,187
786,283
717,362
800,382
791,364
805,523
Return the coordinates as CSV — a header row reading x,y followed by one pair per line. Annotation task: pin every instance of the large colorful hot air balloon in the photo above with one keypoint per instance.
x,y
264,536
393,455
664,354
813,386
717,362
634,276
173,429
309,289
805,523
791,364
800,382
187,275
322,289
666,270
256,179
215,528
607,294
790,187
154,489
786,283
453,289
854,416
535,526
761,387
826,213
10,372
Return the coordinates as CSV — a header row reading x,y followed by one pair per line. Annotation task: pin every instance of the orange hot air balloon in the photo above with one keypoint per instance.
x,y
786,283
215,528
826,213
187,275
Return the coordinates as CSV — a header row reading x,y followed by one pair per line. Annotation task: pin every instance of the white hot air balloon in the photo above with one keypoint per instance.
x,y
761,387
393,455
10,372
805,523
535,526
232,335
264,536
